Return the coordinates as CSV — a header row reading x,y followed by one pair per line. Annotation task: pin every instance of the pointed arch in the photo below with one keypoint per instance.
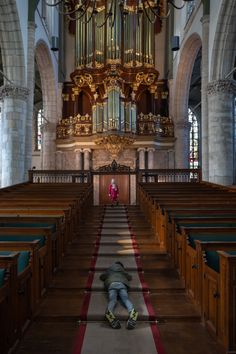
x,y
188,56
224,47
11,43
182,83
48,80
49,93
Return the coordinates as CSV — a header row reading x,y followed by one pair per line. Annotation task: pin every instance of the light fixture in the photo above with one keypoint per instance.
x,y
54,43
78,9
175,43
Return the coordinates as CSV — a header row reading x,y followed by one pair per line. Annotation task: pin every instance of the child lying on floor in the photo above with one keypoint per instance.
x,y
116,281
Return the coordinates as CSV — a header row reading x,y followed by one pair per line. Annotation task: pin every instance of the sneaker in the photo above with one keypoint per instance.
x,y
113,321
133,316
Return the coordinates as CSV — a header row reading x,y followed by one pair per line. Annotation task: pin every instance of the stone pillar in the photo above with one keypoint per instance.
x,y
151,162
151,158
48,152
182,144
14,108
78,159
133,117
96,189
171,97
59,160
204,99
30,100
221,131
87,159
141,152
133,192
1,108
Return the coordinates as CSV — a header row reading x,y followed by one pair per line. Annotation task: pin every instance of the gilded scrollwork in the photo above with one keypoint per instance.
x,y
74,126
114,144
147,79
150,124
83,80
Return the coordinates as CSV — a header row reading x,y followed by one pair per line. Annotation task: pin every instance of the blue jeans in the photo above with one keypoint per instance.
x,y
118,289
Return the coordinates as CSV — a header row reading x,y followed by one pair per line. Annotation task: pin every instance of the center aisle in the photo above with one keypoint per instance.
x,y
116,242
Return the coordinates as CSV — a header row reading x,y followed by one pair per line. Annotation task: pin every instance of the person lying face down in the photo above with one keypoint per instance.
x,y
116,281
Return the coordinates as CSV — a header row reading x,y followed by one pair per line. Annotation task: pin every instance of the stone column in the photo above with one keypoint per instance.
x,y
78,159
30,100
221,131
182,144
1,108
59,160
133,183
171,97
141,152
151,162
14,108
204,98
151,158
87,159
48,152
96,189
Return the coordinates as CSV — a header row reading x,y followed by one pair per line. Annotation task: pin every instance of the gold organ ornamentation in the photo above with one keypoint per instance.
x,y
74,127
115,144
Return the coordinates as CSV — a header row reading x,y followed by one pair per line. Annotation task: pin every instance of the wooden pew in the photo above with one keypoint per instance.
x,y
193,260
19,303
176,217
32,247
4,309
48,252
219,298
209,212
40,216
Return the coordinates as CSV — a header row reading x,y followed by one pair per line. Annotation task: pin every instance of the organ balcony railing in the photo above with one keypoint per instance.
x,y
147,124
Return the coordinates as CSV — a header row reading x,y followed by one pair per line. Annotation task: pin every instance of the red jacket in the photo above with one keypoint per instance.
x,y
113,191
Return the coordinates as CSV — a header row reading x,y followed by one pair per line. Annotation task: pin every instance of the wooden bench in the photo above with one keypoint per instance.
x,y
50,258
37,247
184,243
219,285
191,222
33,248
19,302
4,309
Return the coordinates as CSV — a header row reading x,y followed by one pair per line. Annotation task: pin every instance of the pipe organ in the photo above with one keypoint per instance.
x,y
115,87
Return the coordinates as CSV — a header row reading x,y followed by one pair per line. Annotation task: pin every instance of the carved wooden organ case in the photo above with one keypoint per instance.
x,y
115,86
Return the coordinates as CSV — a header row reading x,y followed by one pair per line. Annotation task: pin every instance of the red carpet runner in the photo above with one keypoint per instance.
x,y
116,241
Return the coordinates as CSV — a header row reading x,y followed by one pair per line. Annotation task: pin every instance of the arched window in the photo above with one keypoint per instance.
x,y
38,135
190,7
193,140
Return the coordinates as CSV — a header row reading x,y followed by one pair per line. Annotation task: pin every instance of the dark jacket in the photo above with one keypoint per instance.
x,y
115,273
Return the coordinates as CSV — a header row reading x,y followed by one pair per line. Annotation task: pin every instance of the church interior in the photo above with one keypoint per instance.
x,y
117,151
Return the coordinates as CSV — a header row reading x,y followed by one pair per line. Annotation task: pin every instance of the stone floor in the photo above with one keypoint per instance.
x,y
55,326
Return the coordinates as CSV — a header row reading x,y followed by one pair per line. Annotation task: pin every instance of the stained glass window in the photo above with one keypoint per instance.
x,y
190,7
193,140
38,135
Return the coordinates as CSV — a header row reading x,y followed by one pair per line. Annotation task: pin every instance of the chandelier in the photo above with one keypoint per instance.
x,y
78,9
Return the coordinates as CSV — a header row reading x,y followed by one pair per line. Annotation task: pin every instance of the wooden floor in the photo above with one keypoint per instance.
x,y
54,329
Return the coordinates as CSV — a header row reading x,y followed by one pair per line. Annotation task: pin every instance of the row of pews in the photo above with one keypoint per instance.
x,y
37,221
196,224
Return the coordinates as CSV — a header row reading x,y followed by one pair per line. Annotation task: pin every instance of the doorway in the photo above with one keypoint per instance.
x,y
123,183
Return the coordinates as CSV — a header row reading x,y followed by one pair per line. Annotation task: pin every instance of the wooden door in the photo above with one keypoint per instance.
x,y
123,183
